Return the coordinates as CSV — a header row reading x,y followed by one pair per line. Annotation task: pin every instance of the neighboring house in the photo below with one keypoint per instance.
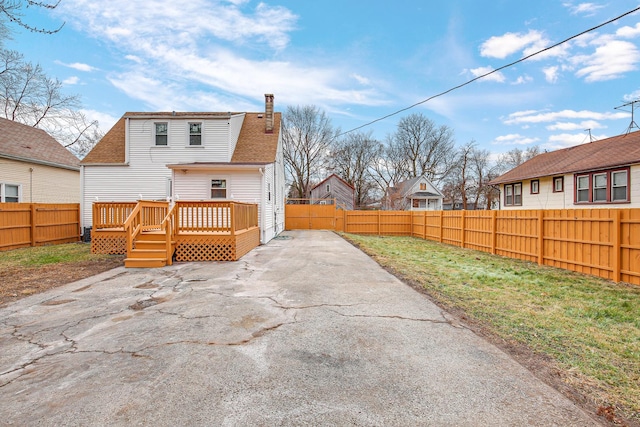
x,y
416,194
598,174
334,187
191,156
35,168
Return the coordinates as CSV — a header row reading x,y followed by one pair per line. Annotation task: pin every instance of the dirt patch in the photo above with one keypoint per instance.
x,y
20,282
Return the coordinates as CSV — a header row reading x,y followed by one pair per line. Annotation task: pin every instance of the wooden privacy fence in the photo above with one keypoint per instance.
x,y
38,224
600,242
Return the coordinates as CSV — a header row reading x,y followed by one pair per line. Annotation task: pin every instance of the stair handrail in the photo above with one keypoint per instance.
x,y
169,225
132,227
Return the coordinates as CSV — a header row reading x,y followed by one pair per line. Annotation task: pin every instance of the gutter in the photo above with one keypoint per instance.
x,y
40,162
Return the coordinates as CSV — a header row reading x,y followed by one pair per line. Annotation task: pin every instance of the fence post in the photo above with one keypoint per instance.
x,y
441,226
462,228
494,231
233,219
33,232
424,229
379,227
540,237
616,245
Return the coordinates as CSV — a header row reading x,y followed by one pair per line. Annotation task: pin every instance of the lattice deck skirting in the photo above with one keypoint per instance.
x,y
109,242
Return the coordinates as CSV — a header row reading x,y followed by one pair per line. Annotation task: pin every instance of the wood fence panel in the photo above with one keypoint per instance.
x,y
310,217
37,224
516,234
580,240
478,230
452,228
395,223
362,222
629,238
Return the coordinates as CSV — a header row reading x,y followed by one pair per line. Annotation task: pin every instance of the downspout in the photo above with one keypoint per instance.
x,y
262,206
82,199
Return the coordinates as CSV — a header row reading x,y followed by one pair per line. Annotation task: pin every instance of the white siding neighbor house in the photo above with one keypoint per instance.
x,y
598,174
334,187
191,156
416,194
35,168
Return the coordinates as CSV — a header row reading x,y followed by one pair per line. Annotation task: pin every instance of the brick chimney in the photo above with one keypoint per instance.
x,y
268,113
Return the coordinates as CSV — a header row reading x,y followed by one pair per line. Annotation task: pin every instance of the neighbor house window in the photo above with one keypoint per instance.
x,y
423,186
603,187
218,188
513,194
600,187
582,188
195,133
161,133
328,188
9,193
558,184
416,203
535,186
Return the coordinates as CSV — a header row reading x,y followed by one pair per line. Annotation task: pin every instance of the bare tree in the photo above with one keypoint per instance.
x,y
428,149
516,157
28,96
307,135
352,159
11,10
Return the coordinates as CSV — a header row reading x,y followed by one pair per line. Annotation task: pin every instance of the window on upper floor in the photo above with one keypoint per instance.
x,y
423,186
602,187
161,133
513,194
195,133
9,193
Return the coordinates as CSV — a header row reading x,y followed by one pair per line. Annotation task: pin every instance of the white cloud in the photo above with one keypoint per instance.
x,y
538,117
587,9
509,43
565,140
609,61
77,66
567,126
522,80
629,32
106,121
633,96
551,74
360,79
495,77
73,80
514,139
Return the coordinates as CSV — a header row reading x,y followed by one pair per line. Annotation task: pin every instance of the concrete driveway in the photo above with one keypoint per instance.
x,y
306,330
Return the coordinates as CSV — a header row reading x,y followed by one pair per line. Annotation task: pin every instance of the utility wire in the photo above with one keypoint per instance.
x,y
491,72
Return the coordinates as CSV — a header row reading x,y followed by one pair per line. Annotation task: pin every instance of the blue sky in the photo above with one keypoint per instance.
x,y
357,60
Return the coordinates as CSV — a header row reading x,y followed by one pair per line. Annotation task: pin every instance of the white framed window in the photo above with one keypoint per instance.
x,y
535,186
582,188
558,184
161,133
513,194
10,193
218,188
195,134
619,183
600,187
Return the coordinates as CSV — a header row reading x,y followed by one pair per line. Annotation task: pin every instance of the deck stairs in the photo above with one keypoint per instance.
x,y
149,250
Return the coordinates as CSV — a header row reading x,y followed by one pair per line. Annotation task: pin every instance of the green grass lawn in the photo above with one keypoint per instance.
x,y
44,255
590,327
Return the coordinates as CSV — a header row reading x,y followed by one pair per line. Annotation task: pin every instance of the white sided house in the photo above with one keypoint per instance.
x,y
599,174
416,194
35,168
191,157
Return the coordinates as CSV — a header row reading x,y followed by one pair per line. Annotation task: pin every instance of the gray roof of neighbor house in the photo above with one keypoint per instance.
x,y
254,144
26,143
617,151
403,187
327,178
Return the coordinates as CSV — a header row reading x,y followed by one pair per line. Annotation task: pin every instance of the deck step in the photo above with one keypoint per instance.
x,y
150,244
149,253
144,262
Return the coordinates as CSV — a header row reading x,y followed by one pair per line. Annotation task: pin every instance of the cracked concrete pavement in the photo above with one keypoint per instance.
x,y
306,330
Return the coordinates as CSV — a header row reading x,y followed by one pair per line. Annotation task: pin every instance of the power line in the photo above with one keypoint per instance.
x,y
490,72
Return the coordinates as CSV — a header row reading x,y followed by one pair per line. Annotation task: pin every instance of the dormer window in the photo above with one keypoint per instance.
x,y
195,134
161,133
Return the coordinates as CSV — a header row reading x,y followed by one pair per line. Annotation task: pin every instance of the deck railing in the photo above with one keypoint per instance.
x,y
111,214
146,216
244,216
